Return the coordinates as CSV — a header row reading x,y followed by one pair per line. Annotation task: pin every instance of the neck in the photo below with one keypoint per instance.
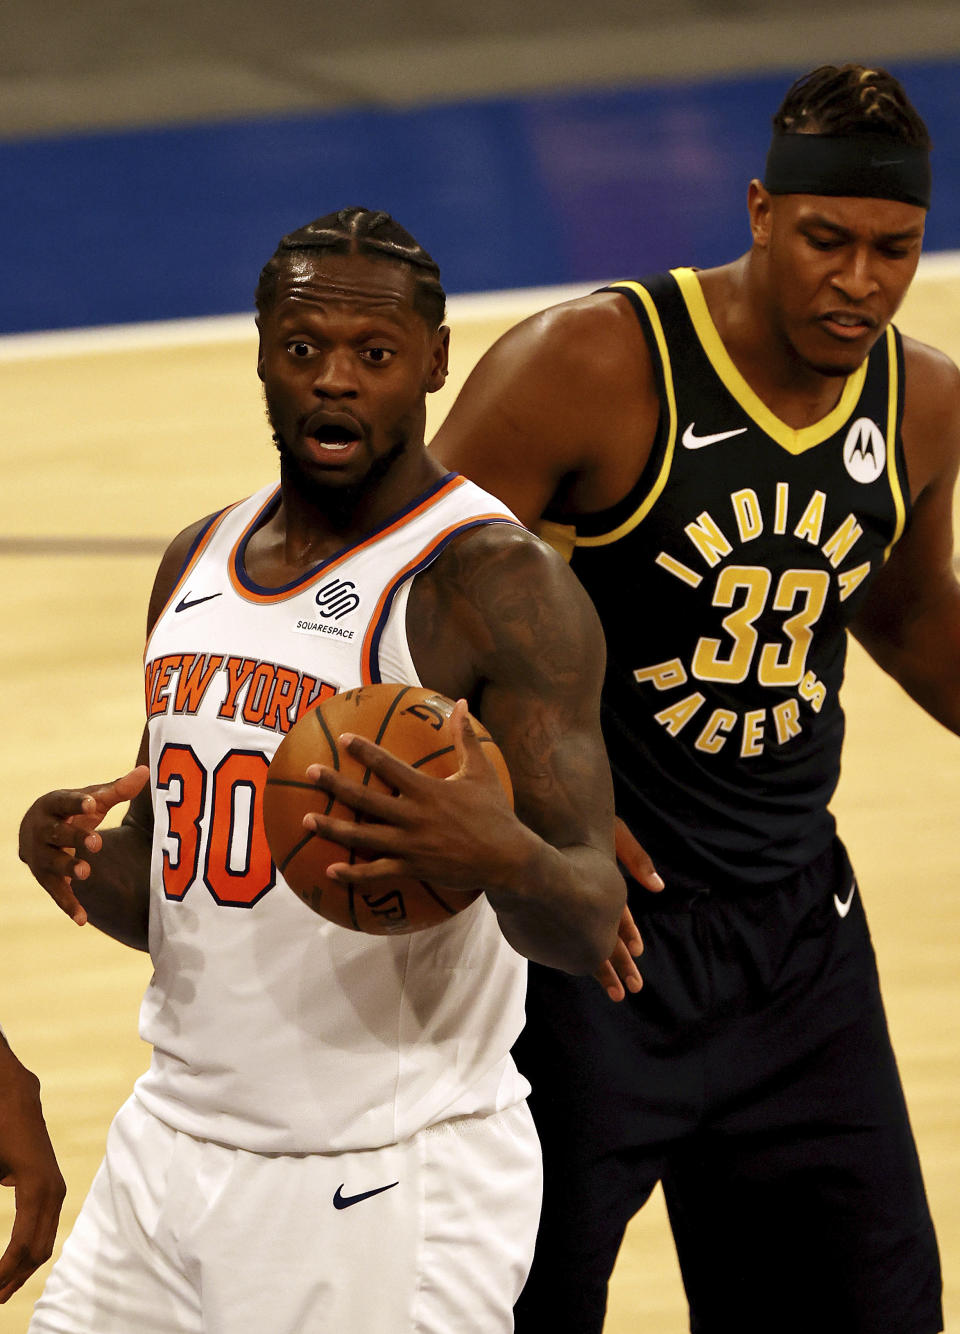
x,y
317,515
739,306
313,522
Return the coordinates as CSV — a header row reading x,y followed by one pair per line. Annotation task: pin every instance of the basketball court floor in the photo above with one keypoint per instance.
x,y
111,444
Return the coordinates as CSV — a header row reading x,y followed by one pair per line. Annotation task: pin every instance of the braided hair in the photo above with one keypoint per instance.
x,y
359,231
850,100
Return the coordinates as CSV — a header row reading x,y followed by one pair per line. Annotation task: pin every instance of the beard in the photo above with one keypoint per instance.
x,y
339,503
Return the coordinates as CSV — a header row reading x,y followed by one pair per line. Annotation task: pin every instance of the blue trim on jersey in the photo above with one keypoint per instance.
x,y
214,518
428,559
271,507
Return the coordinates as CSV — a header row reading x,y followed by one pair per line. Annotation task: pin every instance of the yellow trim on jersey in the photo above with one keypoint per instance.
x,y
561,536
792,440
893,477
628,525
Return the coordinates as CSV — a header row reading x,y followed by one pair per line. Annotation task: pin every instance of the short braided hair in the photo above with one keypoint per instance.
x,y
360,231
851,100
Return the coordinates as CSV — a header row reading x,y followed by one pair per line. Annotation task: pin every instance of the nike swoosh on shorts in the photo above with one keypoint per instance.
x,y
843,905
341,1201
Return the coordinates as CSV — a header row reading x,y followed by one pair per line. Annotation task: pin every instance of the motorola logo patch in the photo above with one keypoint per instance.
x,y
865,451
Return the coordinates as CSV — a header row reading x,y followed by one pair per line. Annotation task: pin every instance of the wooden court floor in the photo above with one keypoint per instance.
x,y
107,452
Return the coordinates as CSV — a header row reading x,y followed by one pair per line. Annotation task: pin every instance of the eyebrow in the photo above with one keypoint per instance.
x,y
817,220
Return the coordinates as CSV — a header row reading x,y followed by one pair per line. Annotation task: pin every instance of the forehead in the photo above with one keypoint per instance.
x,y
325,282
869,218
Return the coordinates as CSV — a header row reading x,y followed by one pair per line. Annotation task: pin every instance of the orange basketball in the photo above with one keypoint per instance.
x,y
414,725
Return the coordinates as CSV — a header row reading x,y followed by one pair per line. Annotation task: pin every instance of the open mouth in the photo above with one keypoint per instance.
x,y
332,433
335,437
846,324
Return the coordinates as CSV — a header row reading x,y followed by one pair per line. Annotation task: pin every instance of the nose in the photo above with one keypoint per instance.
x,y
856,279
335,374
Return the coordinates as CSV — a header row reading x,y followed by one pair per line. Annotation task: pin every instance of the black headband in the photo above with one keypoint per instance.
x,y
872,166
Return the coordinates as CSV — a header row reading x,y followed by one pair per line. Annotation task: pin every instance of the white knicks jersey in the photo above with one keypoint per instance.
x,y
274,1030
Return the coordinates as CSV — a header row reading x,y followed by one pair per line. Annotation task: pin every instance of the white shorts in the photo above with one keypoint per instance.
x,y
182,1236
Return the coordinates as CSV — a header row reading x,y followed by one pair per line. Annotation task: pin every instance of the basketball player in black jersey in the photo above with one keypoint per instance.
x,y
742,464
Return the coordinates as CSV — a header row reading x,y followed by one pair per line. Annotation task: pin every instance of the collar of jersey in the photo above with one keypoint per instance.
x,y
793,440
253,592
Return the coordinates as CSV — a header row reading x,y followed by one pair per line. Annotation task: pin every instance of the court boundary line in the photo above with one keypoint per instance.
x,y
227,329
512,303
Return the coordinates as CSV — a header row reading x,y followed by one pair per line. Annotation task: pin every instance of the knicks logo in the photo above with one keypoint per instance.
x,y
337,599
864,451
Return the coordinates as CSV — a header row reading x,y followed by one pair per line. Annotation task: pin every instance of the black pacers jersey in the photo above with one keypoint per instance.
x,y
724,582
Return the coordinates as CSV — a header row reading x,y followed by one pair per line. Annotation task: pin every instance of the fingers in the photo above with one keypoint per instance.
x,y
628,933
394,773
635,860
366,800
355,835
620,974
125,788
60,828
60,889
34,1232
606,975
359,873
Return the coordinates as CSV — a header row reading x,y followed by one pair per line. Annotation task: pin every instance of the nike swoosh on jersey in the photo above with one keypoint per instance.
x,y
184,605
341,1201
690,440
843,905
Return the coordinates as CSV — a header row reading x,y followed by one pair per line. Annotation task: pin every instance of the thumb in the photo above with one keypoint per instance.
x,y
124,788
465,740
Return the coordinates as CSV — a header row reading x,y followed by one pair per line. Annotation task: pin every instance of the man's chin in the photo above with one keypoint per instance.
x,y
839,371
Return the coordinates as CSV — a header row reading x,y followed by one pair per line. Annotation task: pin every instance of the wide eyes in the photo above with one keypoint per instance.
x,y
300,350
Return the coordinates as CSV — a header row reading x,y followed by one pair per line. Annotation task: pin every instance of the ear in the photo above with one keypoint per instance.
x,y
259,349
439,358
759,206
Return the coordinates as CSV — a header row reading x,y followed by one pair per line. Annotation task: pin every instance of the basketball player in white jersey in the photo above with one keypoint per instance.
x,y
28,1164
332,1134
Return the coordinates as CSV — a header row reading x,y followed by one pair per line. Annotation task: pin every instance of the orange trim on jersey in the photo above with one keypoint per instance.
x,y
324,568
646,505
195,556
421,558
893,476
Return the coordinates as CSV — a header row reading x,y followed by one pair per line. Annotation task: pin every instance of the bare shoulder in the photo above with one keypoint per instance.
x,y
566,394
171,566
501,566
931,414
588,345
594,335
500,603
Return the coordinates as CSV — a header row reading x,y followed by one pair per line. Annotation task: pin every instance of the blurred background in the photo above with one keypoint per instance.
x,y
152,152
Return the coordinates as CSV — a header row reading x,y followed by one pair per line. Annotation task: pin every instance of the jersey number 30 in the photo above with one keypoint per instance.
x,y
229,852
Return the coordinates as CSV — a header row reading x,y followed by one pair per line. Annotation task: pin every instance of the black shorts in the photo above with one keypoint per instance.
x,y
754,1076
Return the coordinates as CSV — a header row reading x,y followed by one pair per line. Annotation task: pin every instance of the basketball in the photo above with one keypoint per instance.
x,y
414,725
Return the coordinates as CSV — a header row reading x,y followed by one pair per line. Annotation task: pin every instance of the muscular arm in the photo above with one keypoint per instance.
x,y
910,620
103,876
560,413
502,622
